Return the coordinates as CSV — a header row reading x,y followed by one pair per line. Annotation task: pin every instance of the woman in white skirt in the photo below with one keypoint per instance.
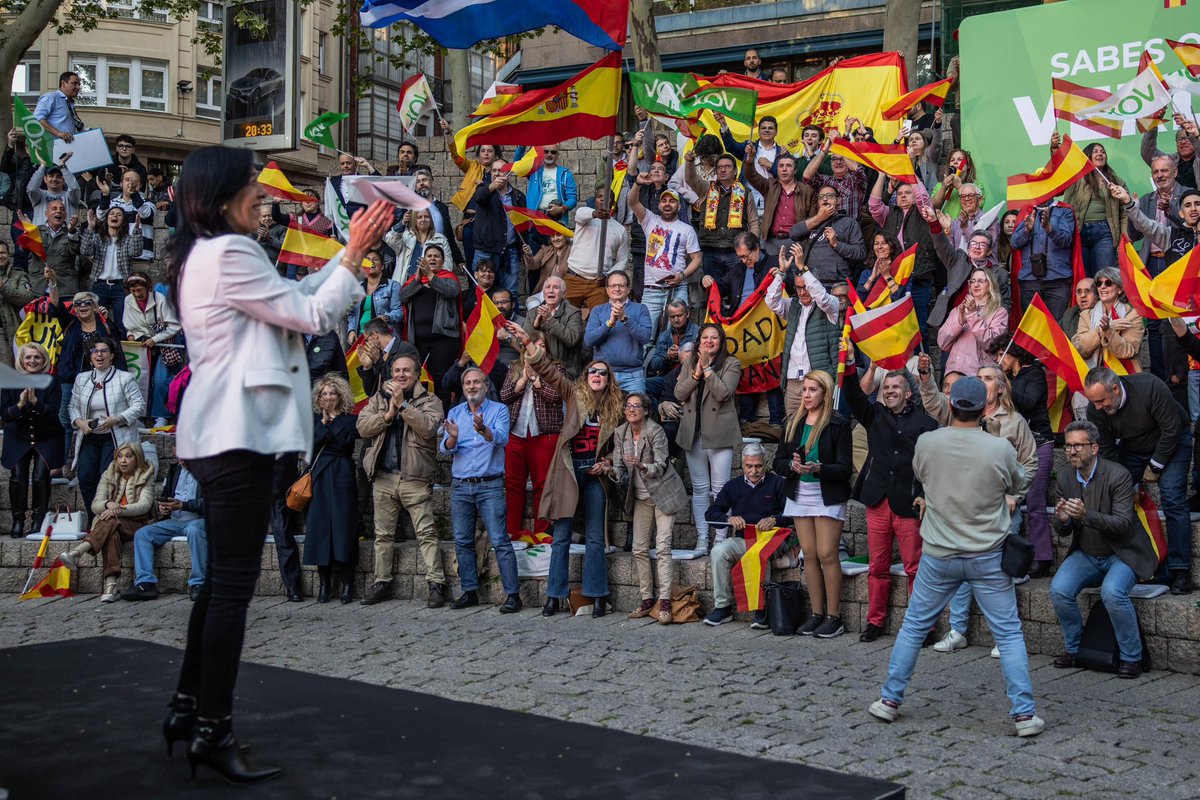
x,y
816,457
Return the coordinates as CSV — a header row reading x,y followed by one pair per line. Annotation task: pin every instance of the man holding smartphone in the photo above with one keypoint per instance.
x,y
1046,237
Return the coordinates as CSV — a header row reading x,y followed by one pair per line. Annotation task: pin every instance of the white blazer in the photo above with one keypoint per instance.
x,y
122,398
250,387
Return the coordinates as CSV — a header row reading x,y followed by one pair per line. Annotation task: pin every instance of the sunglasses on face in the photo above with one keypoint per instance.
x,y
85,304
1105,282
551,152
597,371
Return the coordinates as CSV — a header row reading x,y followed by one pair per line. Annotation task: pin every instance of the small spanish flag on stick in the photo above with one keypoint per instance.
x,y
887,335
525,218
1147,513
57,582
276,184
528,163
933,93
1067,165
25,234
890,159
747,575
902,270
309,250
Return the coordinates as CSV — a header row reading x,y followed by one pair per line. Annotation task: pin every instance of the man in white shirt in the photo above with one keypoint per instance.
x,y
672,252
585,284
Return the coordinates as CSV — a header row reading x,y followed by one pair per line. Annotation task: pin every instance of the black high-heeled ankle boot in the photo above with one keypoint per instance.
x,y
552,606
323,585
181,722
214,746
347,590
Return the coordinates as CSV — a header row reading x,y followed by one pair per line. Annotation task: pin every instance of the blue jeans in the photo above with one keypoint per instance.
x,y
656,300
1172,487
468,502
937,579
160,387
716,262
960,604
921,292
595,560
1114,577
632,380
1194,394
113,298
148,539
508,267
1099,251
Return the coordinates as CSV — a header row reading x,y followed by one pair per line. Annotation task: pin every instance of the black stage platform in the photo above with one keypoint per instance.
x,y
81,719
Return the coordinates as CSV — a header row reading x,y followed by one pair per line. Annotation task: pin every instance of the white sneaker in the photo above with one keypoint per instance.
x,y
995,652
884,711
950,642
701,547
1031,726
160,422
111,595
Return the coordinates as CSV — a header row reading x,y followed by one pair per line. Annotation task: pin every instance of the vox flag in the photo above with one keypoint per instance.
x,y
319,129
416,100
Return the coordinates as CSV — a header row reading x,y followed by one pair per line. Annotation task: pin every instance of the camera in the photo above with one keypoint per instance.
x,y
93,424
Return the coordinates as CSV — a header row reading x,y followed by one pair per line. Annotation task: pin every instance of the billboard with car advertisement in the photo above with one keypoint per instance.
x,y
262,70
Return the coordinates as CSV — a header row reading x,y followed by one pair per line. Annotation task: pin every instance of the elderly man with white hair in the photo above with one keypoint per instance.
x,y
561,323
757,498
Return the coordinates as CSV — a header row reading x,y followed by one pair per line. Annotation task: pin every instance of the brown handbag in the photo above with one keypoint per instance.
x,y
685,605
300,493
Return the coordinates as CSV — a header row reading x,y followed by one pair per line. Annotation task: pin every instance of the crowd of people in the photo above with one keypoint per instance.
x,y
608,374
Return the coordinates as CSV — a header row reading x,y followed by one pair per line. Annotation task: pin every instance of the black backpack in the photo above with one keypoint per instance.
x,y
1098,648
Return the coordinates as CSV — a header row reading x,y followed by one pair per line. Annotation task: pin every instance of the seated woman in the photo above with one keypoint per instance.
x,y
382,300
106,405
432,321
410,243
1112,329
331,536
151,319
122,505
971,326
33,441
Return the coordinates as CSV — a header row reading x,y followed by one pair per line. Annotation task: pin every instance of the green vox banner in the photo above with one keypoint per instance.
x,y
1009,59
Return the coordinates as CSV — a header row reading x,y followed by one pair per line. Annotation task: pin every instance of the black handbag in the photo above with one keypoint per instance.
x,y
785,607
1017,557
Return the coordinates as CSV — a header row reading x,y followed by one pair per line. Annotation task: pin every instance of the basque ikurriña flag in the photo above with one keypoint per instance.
x,y
460,24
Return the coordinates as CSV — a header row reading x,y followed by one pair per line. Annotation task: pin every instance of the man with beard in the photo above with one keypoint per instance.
x,y
476,433
672,252
886,485
786,200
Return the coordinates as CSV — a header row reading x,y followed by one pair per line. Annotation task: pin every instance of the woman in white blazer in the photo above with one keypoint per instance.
x,y
106,409
247,403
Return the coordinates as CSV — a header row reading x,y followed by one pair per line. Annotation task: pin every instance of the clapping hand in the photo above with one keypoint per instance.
x,y
451,429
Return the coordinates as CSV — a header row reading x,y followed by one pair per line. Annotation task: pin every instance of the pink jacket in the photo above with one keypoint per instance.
x,y
966,343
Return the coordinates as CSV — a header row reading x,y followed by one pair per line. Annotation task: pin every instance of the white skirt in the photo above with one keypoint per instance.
x,y
811,504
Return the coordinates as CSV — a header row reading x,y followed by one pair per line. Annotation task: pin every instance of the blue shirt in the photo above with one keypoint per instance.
x,y
54,108
620,346
475,456
1085,481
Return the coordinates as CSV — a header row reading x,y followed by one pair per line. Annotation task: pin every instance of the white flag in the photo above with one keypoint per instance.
x,y
369,188
990,216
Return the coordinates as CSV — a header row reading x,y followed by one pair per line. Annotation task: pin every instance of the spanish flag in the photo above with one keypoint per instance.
x,y
933,93
1171,294
25,234
1174,4
902,270
856,303
276,184
1147,513
748,573
525,218
584,106
890,159
1058,404
1067,165
528,163
482,345
426,379
496,97
620,170
1070,98
1188,53
887,335
1040,334
310,250
353,364
57,582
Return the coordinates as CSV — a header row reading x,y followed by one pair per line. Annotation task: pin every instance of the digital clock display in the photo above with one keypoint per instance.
x,y
250,130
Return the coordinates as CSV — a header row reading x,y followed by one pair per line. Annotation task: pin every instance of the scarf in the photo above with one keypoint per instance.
x,y
1119,311
737,206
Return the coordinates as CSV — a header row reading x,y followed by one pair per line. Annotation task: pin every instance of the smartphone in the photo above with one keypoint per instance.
x,y
906,128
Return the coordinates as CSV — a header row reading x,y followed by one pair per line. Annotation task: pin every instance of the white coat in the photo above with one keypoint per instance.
x,y
122,398
141,323
250,387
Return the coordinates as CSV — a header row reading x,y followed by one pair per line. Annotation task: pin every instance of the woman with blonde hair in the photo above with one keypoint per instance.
x,y
332,515
409,244
1112,327
123,502
816,457
33,440
594,408
972,326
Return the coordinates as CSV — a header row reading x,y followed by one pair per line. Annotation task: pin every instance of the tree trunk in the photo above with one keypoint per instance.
x,y
16,36
900,23
645,37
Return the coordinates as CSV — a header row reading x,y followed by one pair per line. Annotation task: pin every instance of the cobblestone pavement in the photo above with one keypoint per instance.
x,y
729,688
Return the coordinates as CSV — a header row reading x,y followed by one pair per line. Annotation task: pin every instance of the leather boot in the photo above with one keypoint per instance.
x,y
180,723
214,746
323,582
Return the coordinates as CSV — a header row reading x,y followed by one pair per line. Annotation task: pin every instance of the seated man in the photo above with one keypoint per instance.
x,y
182,510
1109,548
758,500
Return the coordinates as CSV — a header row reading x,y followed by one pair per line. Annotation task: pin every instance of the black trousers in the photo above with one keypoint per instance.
x,y
285,522
30,465
236,486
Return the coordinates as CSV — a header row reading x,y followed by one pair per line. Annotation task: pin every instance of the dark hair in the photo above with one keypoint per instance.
x,y
377,325
708,145
154,171
1087,426
962,415
1188,193
413,145
124,229
622,273
747,240
484,263
52,171
104,340
770,119
983,233
817,128
498,289
727,157
890,238
63,77
439,248
785,157
722,349
495,149
125,137
211,177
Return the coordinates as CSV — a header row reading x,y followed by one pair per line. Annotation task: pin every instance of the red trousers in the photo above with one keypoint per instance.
x,y
884,526
526,458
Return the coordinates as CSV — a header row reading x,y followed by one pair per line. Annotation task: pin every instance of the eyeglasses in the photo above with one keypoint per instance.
x,y
1069,446
1105,282
827,197
100,351
633,406
977,281
597,371
968,196
749,257
977,245
124,147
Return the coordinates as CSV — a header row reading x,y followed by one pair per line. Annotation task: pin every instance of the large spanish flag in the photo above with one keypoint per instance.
x,y
584,106
890,159
276,184
747,575
1040,334
902,270
525,218
887,335
855,87
1067,165
1071,98
309,250
1171,294
482,345
757,334
932,93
